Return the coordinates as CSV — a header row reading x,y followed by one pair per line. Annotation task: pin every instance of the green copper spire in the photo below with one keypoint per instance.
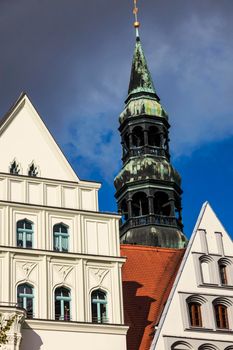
x,y
140,79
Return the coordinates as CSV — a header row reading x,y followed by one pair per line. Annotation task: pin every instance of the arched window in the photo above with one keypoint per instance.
x,y
222,273
25,298
206,264
162,204
221,316
140,204
24,233
62,304
137,136
154,137
181,345
208,347
60,237
195,314
99,306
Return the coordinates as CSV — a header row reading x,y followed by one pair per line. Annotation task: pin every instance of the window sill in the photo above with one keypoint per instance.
x,y
210,330
199,329
212,285
223,330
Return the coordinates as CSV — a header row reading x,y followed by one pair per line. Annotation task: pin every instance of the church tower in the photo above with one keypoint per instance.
x,y
148,188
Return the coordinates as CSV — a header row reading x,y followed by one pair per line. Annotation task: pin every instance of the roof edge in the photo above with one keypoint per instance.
x,y
182,265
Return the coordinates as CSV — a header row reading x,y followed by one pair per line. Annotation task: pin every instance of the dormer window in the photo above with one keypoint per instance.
x,y
33,170
14,168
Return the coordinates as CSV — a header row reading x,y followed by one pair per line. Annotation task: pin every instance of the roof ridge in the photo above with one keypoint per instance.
x,y
142,247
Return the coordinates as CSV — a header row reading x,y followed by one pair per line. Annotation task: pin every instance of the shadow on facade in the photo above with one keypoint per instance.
x,y
136,311
30,340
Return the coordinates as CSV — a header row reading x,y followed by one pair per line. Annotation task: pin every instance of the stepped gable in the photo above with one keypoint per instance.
x,y
148,276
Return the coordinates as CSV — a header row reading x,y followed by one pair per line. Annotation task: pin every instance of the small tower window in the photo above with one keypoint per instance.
x,y
140,204
33,171
60,237
221,316
99,306
62,304
195,314
124,211
14,168
162,204
154,137
137,136
25,298
24,233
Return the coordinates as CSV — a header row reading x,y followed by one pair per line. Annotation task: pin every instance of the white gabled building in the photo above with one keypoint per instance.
x,y
198,314
59,256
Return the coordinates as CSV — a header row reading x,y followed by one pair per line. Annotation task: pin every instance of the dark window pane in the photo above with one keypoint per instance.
x,y
20,224
57,310
94,312
223,274
195,314
221,316
28,225
20,302
63,229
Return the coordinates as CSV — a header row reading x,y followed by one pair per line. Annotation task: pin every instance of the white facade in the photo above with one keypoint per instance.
x,y
83,256
199,311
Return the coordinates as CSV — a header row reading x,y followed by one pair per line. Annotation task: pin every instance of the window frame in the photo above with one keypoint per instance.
x,y
62,299
218,315
223,276
26,297
62,237
195,314
25,232
98,302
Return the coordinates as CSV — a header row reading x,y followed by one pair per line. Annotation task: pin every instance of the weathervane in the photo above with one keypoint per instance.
x,y
136,22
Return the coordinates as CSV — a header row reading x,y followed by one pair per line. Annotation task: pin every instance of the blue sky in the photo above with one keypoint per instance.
x,y
73,58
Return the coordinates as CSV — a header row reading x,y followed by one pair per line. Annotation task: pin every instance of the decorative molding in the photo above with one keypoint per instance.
x,y
64,271
99,275
28,268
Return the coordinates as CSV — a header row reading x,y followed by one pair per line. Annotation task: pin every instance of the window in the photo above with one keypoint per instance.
x,y
124,211
138,136
222,273
99,306
140,204
207,269
207,347
221,316
60,237
25,298
181,345
162,204
195,314
62,304
24,233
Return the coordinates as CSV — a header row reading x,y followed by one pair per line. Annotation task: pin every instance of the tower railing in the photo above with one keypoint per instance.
x,y
141,150
150,219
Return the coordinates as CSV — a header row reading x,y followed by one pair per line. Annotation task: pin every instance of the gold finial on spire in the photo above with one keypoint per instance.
x,y
136,22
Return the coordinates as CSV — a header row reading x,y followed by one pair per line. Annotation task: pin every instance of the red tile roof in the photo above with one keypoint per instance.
x,y
148,275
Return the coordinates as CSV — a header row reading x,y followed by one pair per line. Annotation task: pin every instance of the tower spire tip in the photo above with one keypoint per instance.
x,y
136,21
